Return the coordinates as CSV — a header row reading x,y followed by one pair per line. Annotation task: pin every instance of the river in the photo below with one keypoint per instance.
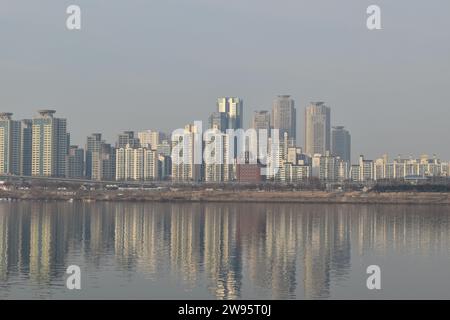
x,y
223,251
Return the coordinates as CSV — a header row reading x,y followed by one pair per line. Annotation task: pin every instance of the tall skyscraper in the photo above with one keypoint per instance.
x,y
164,148
75,163
232,109
49,145
218,120
127,138
107,161
261,120
186,154
341,143
317,128
149,139
284,117
26,146
10,145
100,159
218,167
93,144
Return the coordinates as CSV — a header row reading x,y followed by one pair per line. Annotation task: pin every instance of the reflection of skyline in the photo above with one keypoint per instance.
x,y
280,249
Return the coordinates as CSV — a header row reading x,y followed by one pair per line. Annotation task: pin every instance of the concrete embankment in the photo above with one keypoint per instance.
x,y
233,196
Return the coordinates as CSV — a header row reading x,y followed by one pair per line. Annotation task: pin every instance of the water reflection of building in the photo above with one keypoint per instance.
x,y
141,237
403,229
155,241
281,251
185,242
3,245
128,232
32,241
14,241
48,241
316,247
222,254
233,250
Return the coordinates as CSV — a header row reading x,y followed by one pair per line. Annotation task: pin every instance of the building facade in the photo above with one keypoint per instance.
x,y
75,163
218,120
341,143
127,138
136,164
233,108
10,145
49,145
317,128
100,156
187,154
261,121
284,117
364,171
403,168
150,139
26,146
215,152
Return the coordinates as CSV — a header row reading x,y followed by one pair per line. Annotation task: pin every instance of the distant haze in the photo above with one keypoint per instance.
x,y
162,63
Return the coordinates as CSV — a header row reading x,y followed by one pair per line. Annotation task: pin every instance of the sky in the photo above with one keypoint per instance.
x,y
160,64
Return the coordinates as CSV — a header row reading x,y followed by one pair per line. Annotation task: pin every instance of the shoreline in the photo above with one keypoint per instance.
x,y
247,196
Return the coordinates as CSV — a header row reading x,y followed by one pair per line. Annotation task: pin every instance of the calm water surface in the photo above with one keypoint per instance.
x,y
223,251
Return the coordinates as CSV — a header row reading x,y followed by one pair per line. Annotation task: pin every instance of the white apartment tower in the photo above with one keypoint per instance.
x,y
10,145
317,128
284,117
232,109
187,154
136,164
49,145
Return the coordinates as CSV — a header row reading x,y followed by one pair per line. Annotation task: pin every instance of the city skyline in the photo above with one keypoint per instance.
x,y
140,64
214,154
135,137
207,153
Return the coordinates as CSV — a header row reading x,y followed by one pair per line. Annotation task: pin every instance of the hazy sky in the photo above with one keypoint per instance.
x,y
158,64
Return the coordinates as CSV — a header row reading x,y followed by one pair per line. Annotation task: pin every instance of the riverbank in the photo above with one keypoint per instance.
x,y
232,196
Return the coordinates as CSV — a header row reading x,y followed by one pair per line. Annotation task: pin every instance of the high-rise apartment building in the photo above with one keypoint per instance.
x,y
164,152
187,154
127,138
296,167
231,113
75,163
284,117
49,145
363,171
107,164
218,120
164,148
26,146
164,166
93,144
317,128
261,120
136,164
100,159
10,145
150,139
341,143
217,166
409,168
